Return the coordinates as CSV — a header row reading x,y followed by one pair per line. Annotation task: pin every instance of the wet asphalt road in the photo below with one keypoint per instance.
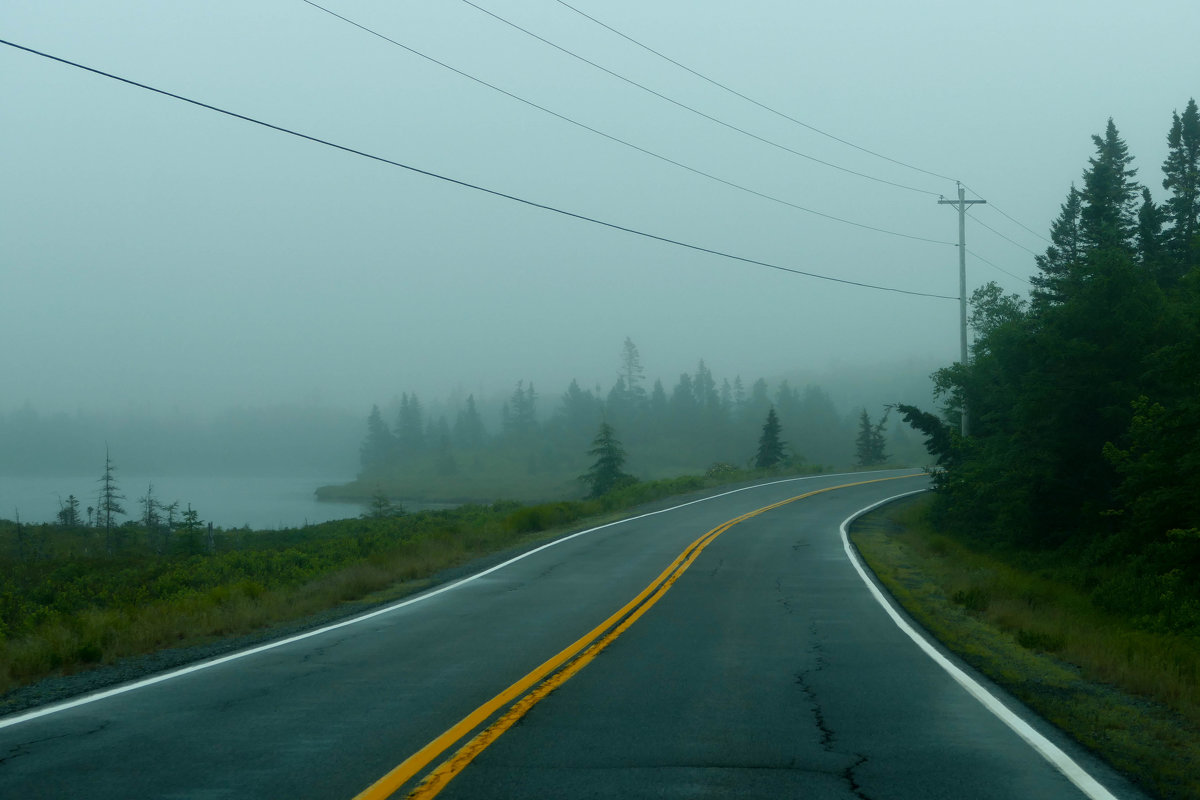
x,y
767,670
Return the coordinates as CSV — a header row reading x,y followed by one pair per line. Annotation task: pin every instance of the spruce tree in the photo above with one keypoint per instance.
x,y
110,498
607,473
770,448
1181,171
871,446
1108,218
378,446
1061,262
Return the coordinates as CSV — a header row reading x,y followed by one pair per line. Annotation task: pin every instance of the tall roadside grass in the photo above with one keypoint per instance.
x,y
67,604
1127,689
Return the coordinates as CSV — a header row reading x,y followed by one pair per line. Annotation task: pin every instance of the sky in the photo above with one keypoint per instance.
x,y
158,255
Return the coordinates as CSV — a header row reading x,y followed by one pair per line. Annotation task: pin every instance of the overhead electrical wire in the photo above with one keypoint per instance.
x,y
466,184
617,139
749,99
1009,218
998,268
1013,242
693,110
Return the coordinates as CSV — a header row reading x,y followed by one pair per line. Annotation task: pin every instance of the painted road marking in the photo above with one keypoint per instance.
x,y
203,665
1047,749
548,676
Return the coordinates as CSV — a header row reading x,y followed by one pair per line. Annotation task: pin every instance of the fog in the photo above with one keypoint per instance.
x,y
161,258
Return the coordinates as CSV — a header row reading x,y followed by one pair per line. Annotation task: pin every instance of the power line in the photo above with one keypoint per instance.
x,y
617,139
998,268
1011,219
1013,242
466,184
747,98
696,111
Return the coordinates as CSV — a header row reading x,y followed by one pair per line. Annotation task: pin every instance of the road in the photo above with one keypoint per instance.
x,y
766,669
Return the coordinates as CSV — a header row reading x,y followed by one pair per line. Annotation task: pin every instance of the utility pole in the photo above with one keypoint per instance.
x,y
962,204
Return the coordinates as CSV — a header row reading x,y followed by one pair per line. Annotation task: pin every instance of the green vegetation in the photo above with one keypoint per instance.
x,y
608,473
1036,626
68,601
531,448
1084,401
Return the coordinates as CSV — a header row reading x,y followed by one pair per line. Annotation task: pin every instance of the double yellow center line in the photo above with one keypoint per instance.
x,y
551,674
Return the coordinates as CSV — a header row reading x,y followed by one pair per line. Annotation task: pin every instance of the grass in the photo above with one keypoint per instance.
x,y
1129,694
66,605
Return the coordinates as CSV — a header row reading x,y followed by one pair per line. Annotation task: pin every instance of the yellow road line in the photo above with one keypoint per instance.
x,y
589,645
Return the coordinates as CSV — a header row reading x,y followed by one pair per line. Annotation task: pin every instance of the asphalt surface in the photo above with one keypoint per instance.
x,y
767,670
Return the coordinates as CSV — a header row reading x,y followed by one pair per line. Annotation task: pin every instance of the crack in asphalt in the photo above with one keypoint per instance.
x,y
849,777
783,599
25,748
323,649
828,737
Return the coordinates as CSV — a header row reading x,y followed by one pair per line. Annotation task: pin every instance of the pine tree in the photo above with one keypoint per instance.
x,y
68,513
468,427
110,498
871,446
1149,236
770,448
1182,177
1108,218
631,371
1060,264
410,426
607,473
378,446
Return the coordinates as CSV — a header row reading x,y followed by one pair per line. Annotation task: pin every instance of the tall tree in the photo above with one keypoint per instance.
x,y
1181,171
410,426
1108,220
1060,264
632,371
608,471
468,426
379,445
520,412
871,445
1149,237
770,448
109,501
68,512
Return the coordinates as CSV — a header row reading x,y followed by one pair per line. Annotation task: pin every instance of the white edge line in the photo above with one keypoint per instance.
x,y
1047,749
203,665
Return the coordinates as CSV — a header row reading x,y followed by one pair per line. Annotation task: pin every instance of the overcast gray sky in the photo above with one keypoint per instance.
x,y
154,254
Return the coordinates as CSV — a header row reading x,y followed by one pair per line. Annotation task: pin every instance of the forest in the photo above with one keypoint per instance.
x,y
533,447
1082,401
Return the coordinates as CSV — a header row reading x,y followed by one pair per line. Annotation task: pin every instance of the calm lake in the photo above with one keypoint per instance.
x,y
264,503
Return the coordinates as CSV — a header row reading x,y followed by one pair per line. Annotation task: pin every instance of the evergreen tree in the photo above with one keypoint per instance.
x,y
1061,262
1149,236
109,502
150,506
468,426
410,426
1181,171
631,371
520,416
379,445
68,513
1108,218
607,473
871,445
770,448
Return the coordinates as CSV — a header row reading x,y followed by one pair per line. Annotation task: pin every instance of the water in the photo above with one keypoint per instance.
x,y
262,503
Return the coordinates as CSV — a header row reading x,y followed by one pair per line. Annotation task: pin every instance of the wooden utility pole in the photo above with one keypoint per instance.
x,y
962,204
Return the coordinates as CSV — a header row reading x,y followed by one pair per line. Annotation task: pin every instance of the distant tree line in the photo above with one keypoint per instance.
x,y
698,422
1083,398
